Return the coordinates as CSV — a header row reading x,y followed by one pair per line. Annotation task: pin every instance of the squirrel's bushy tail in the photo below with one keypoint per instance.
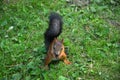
x,y
54,29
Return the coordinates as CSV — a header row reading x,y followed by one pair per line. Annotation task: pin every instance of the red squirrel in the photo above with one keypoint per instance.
x,y
54,47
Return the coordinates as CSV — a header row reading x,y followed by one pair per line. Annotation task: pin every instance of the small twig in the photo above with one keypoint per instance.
x,y
9,66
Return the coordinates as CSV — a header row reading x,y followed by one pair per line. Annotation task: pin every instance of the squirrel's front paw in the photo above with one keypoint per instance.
x,y
46,67
67,62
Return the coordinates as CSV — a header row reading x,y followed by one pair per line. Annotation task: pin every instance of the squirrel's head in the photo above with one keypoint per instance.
x,y
57,47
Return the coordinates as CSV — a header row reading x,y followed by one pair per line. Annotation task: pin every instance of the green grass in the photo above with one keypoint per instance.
x,y
93,41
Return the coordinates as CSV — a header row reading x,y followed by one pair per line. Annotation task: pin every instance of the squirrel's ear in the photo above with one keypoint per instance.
x,y
55,39
62,40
